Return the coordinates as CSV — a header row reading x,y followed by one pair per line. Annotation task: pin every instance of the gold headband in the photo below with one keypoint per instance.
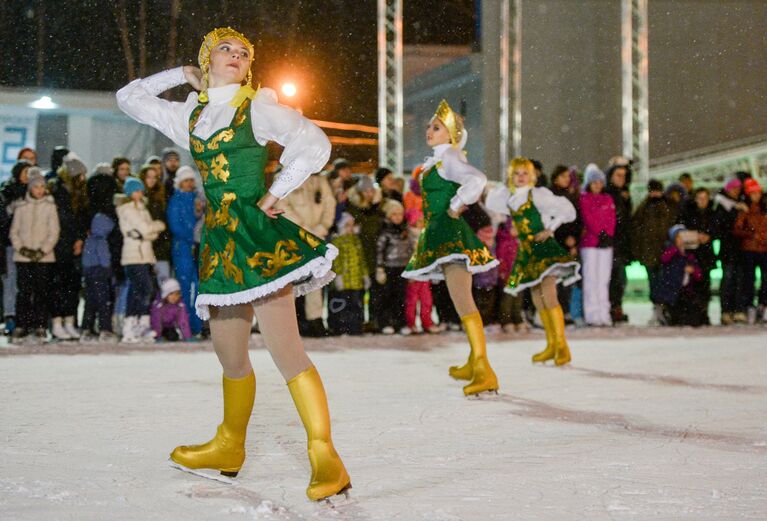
x,y
208,43
451,120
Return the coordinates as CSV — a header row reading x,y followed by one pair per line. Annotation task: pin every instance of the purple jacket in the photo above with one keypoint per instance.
x,y
598,214
164,314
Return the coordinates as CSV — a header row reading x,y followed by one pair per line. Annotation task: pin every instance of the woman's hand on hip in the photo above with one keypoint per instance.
x,y
543,236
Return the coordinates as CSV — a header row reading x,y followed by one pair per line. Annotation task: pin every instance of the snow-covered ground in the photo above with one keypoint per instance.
x,y
666,425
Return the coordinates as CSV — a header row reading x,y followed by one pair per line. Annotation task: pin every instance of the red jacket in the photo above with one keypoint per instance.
x,y
751,228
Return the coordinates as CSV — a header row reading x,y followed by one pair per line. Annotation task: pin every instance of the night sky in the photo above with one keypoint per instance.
x,y
328,47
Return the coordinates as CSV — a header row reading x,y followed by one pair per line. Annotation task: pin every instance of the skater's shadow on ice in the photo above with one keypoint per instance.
x,y
633,427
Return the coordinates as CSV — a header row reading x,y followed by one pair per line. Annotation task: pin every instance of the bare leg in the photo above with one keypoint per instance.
x,y
279,328
230,332
458,281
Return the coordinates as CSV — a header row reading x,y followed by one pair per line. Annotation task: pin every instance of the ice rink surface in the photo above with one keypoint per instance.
x,y
664,426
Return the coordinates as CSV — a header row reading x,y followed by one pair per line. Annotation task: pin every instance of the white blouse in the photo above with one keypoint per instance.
x,y
307,148
452,166
555,210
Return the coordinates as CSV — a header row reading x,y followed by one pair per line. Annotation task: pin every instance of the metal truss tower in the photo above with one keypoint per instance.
x,y
390,98
634,60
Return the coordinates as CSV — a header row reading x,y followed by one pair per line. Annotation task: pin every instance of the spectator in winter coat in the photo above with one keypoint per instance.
x,y
139,230
69,190
170,163
57,159
680,274
97,272
599,219
418,292
751,228
312,207
563,183
169,315
387,181
34,233
413,200
675,193
393,251
618,187
698,215
157,204
182,217
27,154
728,207
649,229
121,170
12,193
345,309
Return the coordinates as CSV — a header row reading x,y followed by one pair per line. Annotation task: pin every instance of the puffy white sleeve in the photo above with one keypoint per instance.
x,y
139,100
555,210
307,148
498,199
455,168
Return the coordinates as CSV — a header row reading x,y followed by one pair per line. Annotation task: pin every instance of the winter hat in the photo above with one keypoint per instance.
x,y
133,184
391,206
654,186
751,186
344,220
365,183
182,174
617,161
57,157
381,174
169,286
152,159
674,230
676,187
74,166
592,174
340,163
733,184
169,151
18,168
101,169
35,177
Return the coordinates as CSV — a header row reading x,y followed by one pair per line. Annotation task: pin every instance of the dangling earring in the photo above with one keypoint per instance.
x,y
203,96
249,78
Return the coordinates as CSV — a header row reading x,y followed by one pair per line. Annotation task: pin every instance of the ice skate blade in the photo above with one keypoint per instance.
x,y
483,394
340,498
213,475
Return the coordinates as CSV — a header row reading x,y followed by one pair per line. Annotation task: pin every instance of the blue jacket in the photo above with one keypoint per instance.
x,y
96,249
181,216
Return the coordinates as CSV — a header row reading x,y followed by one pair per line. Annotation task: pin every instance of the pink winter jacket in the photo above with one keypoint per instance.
x,y
598,214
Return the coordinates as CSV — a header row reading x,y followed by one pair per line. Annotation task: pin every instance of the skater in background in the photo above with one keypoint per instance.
x,y
541,262
251,256
448,249
169,315
34,234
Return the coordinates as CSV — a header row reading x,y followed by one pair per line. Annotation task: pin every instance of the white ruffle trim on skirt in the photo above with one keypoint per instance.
x,y
312,275
434,270
567,273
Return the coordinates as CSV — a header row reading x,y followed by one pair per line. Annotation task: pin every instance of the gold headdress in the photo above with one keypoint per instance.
x,y
452,121
208,43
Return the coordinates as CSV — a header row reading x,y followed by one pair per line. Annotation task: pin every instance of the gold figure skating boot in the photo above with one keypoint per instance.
x,y
549,351
226,451
465,371
557,321
482,375
329,476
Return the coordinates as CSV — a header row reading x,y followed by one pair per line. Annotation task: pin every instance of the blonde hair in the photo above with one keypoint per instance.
x,y
520,162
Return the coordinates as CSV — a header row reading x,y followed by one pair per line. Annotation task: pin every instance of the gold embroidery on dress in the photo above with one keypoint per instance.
x,y
239,117
195,116
477,257
209,263
221,216
284,255
197,145
308,238
225,135
230,270
203,168
219,167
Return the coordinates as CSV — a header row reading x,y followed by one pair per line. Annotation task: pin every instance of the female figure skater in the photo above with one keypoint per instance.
x,y
541,262
250,256
447,248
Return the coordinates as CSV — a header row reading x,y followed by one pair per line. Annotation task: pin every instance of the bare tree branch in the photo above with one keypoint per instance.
x,y
122,26
170,57
142,39
40,42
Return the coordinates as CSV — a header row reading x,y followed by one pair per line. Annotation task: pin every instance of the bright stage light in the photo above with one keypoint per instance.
x,y
289,89
44,102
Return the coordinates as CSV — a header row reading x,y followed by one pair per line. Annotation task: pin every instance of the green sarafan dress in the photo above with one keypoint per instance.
x,y
244,254
444,240
536,260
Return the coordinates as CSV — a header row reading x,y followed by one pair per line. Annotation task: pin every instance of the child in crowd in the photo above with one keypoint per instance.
x,y
97,272
680,276
418,292
183,213
393,251
346,314
484,284
34,233
509,306
139,230
169,315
